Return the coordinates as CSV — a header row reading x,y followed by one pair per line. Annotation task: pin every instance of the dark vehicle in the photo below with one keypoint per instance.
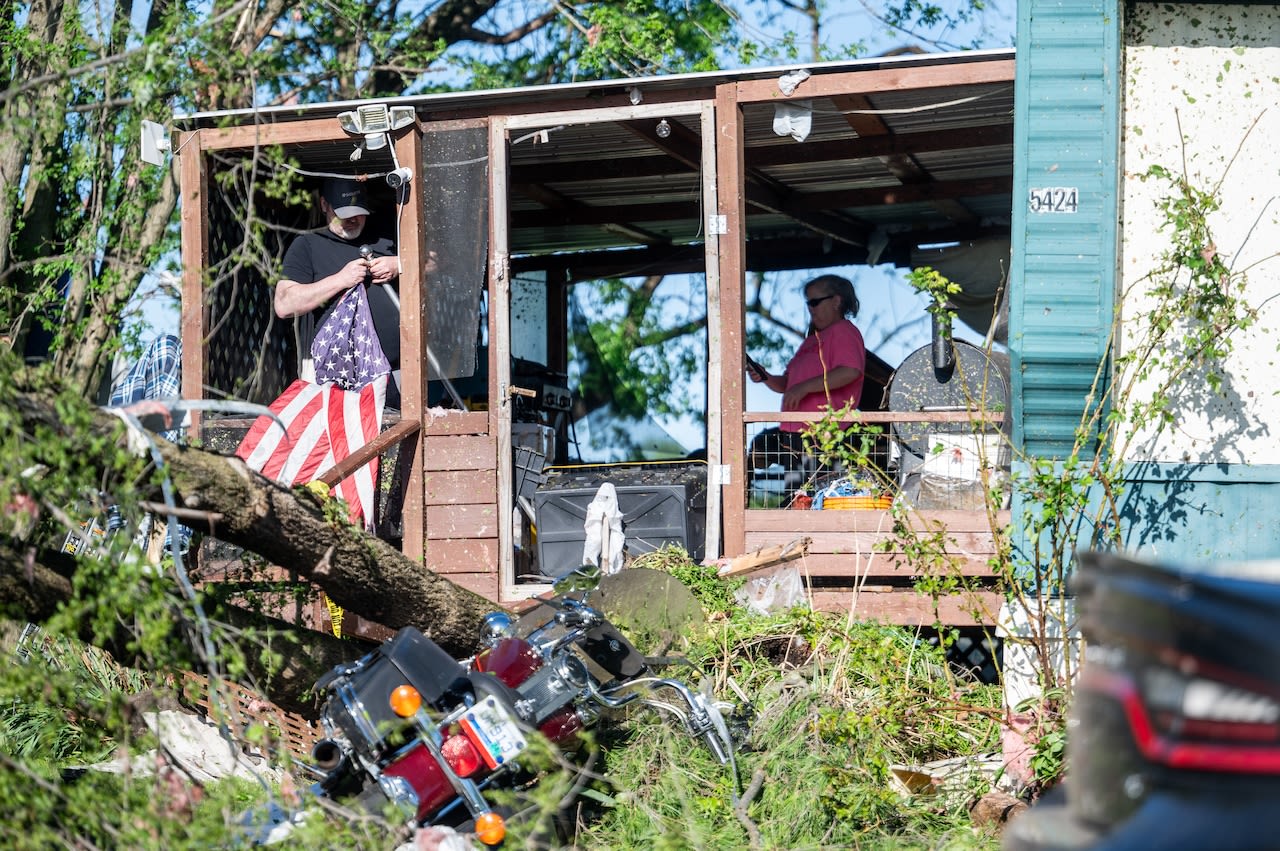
x,y
1174,737
409,726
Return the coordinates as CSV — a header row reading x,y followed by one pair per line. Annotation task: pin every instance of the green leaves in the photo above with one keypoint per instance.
x,y
936,286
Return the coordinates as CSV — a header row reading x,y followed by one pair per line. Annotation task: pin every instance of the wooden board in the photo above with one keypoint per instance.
x,y
767,557
462,521
803,522
450,556
460,452
484,584
869,541
909,608
440,421
453,487
896,565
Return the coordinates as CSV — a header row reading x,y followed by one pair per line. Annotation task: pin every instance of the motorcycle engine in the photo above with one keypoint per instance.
x,y
551,688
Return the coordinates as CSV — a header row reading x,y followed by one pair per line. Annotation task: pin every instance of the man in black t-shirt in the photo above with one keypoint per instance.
x,y
321,265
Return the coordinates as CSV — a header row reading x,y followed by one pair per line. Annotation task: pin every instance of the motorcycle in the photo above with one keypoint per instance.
x,y
410,727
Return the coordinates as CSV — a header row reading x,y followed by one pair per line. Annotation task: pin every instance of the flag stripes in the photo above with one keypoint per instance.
x,y
323,425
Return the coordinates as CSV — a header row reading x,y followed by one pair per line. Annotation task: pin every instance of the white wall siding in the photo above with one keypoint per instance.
x,y
1202,97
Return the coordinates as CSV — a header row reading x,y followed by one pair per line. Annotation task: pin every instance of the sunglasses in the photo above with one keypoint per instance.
x,y
814,302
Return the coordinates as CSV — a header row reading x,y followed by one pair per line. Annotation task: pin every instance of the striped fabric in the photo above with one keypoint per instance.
x,y
324,424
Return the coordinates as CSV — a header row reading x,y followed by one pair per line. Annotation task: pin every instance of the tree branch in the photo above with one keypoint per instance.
x,y
510,36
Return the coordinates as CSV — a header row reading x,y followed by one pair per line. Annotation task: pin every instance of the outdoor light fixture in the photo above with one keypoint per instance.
x,y
155,142
663,129
374,121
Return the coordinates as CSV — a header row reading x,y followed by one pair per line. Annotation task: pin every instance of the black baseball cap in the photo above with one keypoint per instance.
x,y
346,196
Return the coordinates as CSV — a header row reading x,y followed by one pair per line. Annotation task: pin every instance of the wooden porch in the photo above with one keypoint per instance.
x,y
592,200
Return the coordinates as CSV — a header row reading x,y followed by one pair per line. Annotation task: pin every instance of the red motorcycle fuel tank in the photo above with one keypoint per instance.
x,y
511,660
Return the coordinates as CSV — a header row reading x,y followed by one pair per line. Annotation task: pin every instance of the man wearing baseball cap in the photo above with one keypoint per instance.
x,y
322,264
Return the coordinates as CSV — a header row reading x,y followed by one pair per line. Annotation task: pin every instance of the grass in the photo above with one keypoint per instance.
x,y
829,707
829,724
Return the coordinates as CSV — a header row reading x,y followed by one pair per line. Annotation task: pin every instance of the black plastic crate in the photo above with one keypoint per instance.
x,y
660,504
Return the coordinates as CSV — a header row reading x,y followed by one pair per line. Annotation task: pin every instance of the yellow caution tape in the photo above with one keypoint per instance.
x,y
335,616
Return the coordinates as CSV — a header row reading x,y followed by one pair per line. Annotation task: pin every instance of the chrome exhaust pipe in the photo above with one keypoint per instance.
x,y
327,755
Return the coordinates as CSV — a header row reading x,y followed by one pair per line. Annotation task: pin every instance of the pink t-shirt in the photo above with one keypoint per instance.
x,y
822,351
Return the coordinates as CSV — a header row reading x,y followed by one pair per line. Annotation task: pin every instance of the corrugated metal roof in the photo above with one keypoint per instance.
x,y
911,165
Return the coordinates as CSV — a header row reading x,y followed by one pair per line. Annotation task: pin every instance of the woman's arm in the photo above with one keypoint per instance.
x,y
836,378
758,374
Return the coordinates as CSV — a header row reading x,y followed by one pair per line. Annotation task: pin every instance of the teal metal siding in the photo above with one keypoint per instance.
x,y
1201,513
1062,292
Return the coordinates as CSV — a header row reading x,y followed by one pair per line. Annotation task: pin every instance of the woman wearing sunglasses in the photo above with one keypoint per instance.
x,y
825,372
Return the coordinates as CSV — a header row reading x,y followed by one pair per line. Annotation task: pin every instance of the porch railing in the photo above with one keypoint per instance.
x,y
860,561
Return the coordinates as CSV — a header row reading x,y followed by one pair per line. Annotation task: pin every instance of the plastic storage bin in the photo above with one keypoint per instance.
x,y
660,504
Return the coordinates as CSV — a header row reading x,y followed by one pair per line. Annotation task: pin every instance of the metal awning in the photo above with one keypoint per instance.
x,y
879,173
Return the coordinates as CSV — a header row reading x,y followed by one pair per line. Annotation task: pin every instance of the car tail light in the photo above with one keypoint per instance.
x,y
1186,717
1197,707
461,755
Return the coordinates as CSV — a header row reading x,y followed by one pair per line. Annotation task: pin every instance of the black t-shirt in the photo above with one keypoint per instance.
x,y
318,254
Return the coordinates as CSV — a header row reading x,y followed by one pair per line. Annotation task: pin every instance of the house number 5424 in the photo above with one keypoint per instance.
x,y
1054,199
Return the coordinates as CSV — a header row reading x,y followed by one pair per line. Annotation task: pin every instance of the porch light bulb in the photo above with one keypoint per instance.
x,y
663,129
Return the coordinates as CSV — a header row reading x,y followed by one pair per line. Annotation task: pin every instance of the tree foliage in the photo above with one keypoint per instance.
x,y
84,220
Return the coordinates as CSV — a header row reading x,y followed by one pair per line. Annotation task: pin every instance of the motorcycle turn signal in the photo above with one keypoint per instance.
x,y
490,828
405,701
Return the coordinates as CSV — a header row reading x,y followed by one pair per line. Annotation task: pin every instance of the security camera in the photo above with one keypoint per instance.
x,y
399,177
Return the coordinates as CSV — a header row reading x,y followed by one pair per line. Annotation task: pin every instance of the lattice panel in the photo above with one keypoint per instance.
x,y
239,708
250,353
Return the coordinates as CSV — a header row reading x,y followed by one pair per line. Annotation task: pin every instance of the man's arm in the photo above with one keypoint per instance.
x,y
293,298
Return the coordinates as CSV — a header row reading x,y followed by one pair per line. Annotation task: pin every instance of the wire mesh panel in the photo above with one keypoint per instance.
x,y
250,353
456,219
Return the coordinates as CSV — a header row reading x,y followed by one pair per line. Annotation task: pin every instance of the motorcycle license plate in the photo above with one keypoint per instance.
x,y
493,731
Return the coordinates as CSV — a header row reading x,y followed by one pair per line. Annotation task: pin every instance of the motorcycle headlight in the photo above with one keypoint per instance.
x,y
572,670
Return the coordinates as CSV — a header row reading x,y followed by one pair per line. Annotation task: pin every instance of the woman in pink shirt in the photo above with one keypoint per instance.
x,y
826,372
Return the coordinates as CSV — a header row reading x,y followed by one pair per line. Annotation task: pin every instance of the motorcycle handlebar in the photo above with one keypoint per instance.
x,y
703,720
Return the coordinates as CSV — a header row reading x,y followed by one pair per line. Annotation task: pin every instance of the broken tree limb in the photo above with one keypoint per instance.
x,y
32,587
290,528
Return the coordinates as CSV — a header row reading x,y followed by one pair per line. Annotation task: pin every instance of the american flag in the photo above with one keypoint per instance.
x,y
346,349
327,421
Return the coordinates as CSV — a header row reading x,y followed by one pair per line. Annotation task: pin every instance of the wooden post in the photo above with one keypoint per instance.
x,y
500,353
413,332
731,203
715,353
195,259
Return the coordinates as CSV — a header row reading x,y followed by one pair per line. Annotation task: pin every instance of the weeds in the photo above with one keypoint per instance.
x,y
716,595
836,707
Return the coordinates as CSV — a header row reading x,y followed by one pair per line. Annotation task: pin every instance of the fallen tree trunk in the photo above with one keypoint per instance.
x,y
39,587
288,528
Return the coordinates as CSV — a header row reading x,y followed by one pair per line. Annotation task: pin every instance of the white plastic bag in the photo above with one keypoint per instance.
x,y
793,119
603,528
776,591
